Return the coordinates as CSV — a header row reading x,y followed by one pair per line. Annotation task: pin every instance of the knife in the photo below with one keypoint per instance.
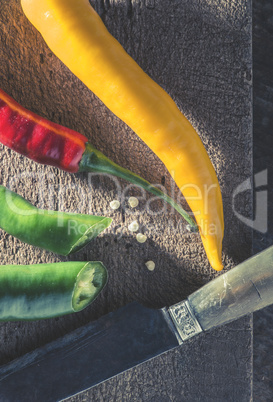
x,y
133,334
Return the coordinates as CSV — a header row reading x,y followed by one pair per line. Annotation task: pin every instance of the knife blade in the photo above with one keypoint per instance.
x,y
134,334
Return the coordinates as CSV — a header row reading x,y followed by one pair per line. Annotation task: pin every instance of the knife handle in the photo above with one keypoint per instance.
x,y
242,290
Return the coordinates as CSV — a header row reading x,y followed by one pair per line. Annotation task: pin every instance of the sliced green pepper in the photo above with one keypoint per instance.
x,y
60,232
32,292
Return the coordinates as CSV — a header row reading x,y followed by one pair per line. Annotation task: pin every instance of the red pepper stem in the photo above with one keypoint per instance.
x,y
95,161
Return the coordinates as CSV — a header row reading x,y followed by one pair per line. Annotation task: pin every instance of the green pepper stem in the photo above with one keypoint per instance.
x,y
95,161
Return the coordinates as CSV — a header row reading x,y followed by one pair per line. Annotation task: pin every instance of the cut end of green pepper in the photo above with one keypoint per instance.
x,y
90,281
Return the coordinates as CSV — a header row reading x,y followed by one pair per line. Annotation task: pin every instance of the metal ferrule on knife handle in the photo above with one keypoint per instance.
x,y
242,290
185,323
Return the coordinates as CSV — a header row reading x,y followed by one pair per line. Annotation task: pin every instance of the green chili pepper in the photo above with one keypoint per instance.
x,y
60,232
32,292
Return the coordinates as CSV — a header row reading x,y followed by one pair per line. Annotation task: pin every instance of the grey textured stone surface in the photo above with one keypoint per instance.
x,y
199,52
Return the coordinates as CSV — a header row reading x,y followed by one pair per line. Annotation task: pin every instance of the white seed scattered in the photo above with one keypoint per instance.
x,y
133,202
133,227
141,238
114,204
150,265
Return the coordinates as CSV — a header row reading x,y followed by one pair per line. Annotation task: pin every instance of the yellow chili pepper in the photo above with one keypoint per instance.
x,y
76,34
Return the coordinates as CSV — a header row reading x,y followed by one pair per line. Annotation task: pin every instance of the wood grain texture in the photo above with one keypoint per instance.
x,y
199,52
263,159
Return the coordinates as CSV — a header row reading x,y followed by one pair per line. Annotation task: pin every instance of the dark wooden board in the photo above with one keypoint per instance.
x,y
263,160
200,53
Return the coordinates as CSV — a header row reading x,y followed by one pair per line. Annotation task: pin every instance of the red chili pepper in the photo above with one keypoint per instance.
x,y
51,144
40,140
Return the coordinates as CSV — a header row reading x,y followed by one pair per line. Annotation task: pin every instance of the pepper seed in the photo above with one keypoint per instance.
x,y
141,238
150,265
133,202
133,227
114,204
